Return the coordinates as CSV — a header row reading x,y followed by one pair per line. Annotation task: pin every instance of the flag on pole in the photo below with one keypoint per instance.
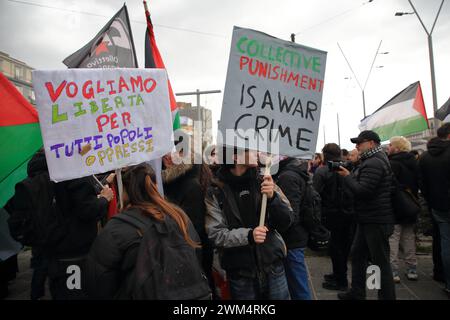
x,y
20,137
153,59
112,47
402,115
443,113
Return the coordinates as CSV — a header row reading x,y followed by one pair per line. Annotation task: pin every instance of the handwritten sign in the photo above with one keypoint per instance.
x,y
273,86
97,120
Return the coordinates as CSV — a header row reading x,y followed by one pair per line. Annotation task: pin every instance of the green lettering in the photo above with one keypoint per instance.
x,y
255,45
279,54
239,43
263,48
316,64
306,62
131,100
105,107
139,100
56,117
94,107
118,101
80,110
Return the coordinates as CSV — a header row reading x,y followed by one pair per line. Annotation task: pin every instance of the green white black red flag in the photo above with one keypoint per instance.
x,y
402,115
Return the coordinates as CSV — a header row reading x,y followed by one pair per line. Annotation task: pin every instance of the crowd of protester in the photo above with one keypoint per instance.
x,y
202,238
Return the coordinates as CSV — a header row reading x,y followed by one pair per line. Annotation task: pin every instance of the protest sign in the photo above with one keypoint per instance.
x,y
273,88
97,120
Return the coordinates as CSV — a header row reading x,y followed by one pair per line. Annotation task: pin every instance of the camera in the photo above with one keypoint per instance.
x,y
334,165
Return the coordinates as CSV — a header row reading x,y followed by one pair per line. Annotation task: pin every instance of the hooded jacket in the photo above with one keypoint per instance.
x,y
291,178
435,171
233,209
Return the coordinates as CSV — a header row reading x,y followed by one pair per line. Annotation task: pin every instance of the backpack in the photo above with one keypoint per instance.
x,y
167,268
311,217
35,217
405,204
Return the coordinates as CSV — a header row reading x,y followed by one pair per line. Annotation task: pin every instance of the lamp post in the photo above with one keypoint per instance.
x,y
430,48
368,75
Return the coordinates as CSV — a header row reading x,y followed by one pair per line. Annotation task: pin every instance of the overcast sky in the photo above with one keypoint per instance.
x,y
42,37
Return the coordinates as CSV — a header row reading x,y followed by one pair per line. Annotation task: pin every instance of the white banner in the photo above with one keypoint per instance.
x,y
274,92
97,120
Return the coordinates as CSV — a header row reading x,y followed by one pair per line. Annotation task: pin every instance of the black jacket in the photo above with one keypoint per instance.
x,y
406,170
230,227
371,185
291,178
435,171
109,266
182,187
337,199
82,210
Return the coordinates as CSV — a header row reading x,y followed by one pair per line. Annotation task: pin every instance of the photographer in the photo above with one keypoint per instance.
x,y
337,215
371,185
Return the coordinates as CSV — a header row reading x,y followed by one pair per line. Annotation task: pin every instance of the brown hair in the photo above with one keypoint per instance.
x,y
140,185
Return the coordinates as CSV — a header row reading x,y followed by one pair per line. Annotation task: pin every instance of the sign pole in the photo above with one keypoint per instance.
x,y
262,217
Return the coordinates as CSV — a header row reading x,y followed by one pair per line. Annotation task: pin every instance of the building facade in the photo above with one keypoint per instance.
x,y
419,140
19,73
189,115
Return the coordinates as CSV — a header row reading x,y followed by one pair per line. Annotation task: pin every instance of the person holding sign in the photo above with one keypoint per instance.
x,y
252,255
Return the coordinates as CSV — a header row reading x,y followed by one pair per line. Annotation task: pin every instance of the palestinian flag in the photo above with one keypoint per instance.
x,y
402,115
153,59
20,137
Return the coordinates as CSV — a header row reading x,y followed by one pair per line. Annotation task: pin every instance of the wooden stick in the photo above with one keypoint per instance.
x,y
98,181
262,216
119,186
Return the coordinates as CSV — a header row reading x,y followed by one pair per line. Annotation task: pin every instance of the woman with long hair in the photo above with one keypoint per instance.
x,y
110,266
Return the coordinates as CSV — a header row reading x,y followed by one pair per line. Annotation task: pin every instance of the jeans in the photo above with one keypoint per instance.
x,y
405,237
297,275
372,240
270,286
444,230
39,264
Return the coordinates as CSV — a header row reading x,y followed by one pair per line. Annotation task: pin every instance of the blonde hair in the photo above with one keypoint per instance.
x,y
401,143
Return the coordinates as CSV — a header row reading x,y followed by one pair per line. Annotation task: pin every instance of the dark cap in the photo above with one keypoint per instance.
x,y
366,135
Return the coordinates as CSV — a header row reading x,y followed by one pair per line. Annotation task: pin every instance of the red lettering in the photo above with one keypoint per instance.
x,y
112,91
102,121
243,61
126,117
303,82
75,90
51,91
114,124
122,84
99,88
136,82
88,93
152,87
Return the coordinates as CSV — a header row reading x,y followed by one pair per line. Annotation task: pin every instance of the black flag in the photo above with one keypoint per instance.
x,y
112,47
444,112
